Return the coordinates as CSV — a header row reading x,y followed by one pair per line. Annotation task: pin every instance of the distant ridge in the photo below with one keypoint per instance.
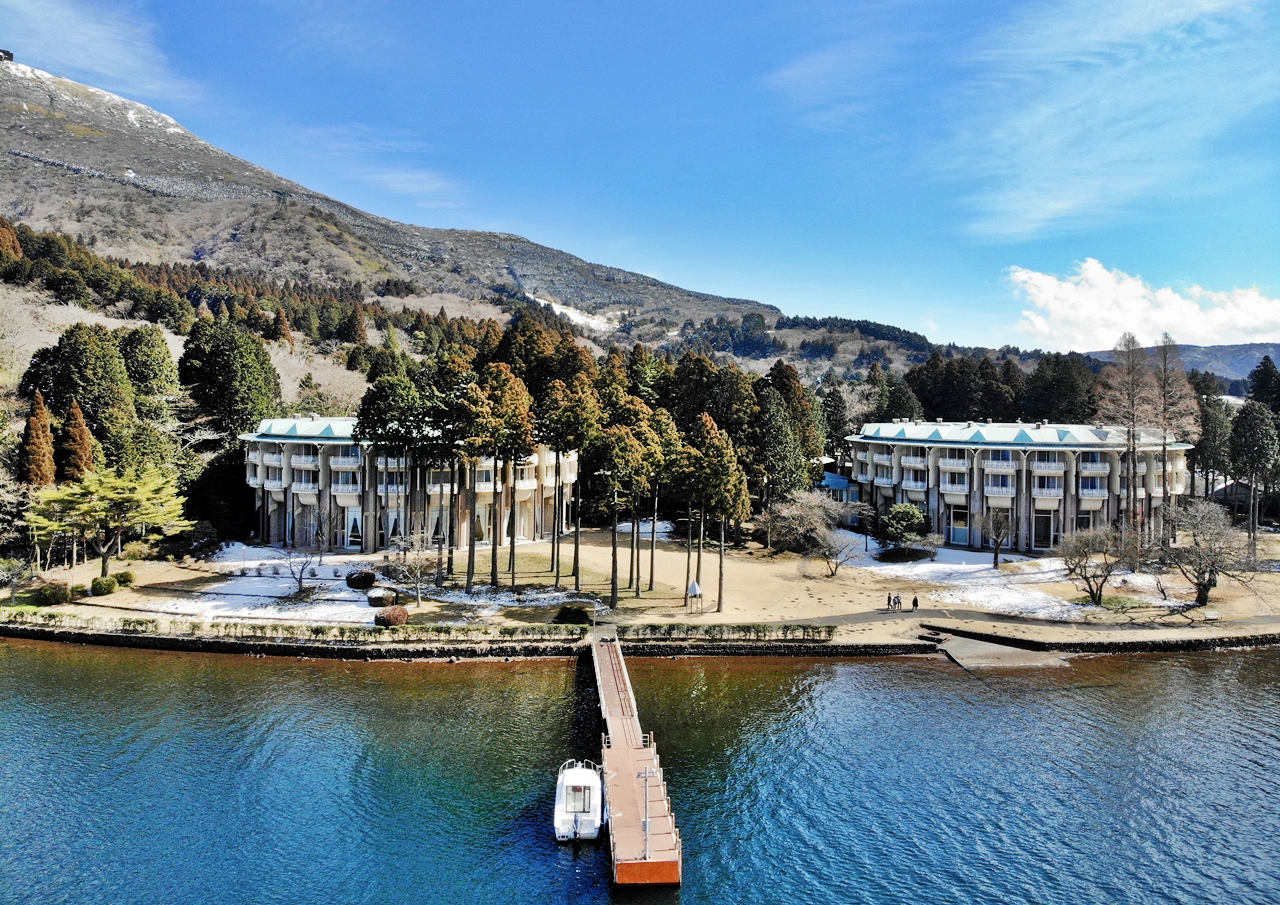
x,y
1231,361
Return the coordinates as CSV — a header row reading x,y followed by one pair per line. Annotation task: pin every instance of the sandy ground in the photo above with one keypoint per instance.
x,y
1032,594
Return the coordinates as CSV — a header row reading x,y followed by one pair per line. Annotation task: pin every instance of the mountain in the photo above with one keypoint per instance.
x,y
1231,361
132,182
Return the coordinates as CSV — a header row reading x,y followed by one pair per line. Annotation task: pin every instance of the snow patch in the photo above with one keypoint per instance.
x,y
581,318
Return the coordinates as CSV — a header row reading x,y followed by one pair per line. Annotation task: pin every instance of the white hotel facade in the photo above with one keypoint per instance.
x,y
310,476
1051,478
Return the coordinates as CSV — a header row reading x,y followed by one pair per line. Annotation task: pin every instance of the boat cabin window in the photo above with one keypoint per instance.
x,y
579,799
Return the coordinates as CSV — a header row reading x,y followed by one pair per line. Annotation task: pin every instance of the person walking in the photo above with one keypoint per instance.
x,y
888,603
915,603
897,602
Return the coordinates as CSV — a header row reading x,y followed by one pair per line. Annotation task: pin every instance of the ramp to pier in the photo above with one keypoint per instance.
x,y
628,756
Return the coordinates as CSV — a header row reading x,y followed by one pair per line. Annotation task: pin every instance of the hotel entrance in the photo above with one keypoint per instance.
x,y
958,526
1044,530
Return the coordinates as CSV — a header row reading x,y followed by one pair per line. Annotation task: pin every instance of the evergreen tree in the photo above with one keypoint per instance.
x,y
781,458
1060,391
35,465
835,413
1253,452
1016,381
230,376
352,328
1264,384
77,446
86,365
1213,449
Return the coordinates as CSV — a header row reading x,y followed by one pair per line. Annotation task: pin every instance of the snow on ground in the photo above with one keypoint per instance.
x,y
264,590
665,528
969,580
600,324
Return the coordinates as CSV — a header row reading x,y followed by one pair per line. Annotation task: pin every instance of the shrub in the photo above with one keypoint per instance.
x,y
79,590
101,587
361,579
125,579
51,594
391,615
136,549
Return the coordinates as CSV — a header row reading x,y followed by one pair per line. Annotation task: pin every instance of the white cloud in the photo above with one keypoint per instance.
x,y
111,46
1089,310
1079,108
427,187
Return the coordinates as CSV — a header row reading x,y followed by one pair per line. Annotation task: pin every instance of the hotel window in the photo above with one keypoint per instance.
x,y
1044,456
274,474
484,475
1090,483
951,481
345,479
1092,458
915,474
884,471
999,480
1047,482
394,479
1000,455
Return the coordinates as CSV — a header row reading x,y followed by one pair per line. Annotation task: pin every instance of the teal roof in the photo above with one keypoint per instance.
x,y
304,430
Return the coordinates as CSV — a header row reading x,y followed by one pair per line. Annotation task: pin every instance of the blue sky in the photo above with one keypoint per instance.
x,y
941,166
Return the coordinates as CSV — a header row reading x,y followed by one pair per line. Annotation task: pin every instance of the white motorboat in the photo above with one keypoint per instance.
x,y
580,807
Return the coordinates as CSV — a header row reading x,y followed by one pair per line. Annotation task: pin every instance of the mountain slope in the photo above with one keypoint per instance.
x,y
1231,361
135,183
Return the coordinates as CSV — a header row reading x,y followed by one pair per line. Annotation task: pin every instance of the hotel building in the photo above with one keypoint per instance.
x,y
1051,478
310,477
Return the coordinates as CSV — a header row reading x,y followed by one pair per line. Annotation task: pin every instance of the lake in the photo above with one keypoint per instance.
x,y
147,777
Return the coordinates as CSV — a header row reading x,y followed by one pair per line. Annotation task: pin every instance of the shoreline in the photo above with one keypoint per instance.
x,y
506,650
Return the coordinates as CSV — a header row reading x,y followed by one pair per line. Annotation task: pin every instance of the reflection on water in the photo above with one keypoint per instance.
x,y
147,777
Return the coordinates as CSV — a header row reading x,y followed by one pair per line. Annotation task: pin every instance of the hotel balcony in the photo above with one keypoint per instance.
x,y
914,461
863,477
305,486
884,482
1094,493
1142,469
388,462
995,490
1095,468
1047,493
882,458
345,488
861,455
304,462
954,488
1000,466
526,484
953,464
274,484
346,463
914,485
254,481
1048,467
253,455
273,459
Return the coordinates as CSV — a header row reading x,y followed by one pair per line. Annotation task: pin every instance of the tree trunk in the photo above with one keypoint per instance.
x,y
453,513
631,549
702,533
688,554
720,586
577,531
106,555
613,572
493,525
471,530
515,508
653,538
558,495
635,545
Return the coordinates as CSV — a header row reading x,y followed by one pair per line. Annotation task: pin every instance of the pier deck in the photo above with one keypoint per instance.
x,y
629,754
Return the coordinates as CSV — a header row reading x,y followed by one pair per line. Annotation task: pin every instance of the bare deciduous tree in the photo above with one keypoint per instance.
x,y
1211,547
418,560
1178,409
1127,398
299,563
1091,557
810,523
997,527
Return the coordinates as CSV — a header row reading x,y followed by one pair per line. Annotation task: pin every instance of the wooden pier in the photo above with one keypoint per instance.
x,y
643,838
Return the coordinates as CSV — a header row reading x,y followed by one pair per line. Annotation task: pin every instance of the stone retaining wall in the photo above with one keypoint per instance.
x,y
1143,646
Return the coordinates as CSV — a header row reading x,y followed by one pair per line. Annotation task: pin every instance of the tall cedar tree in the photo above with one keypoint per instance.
x,y
36,454
77,446
1128,398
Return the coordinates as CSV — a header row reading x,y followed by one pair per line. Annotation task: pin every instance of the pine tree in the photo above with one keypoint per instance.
x,y
36,454
352,329
77,446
